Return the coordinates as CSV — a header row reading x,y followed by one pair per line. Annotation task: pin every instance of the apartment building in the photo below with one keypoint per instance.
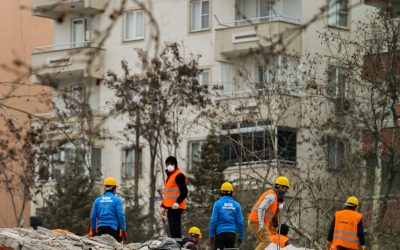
x,y
228,35
20,33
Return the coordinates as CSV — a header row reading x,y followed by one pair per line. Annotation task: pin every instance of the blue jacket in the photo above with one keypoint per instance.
x,y
108,211
226,217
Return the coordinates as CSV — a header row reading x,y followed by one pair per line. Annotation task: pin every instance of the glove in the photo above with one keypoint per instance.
x,y
124,235
164,212
238,242
328,245
261,228
175,205
281,206
211,241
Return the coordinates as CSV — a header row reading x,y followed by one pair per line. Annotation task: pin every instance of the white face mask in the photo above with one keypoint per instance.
x,y
170,168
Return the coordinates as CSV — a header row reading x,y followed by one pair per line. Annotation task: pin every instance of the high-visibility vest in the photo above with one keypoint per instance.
x,y
345,231
269,212
282,240
172,192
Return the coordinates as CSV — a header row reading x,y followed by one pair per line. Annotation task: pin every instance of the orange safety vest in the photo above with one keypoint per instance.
x,y
345,231
269,212
282,240
172,192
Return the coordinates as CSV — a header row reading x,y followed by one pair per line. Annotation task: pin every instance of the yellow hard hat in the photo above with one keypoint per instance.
x,y
283,181
352,200
110,182
195,230
226,186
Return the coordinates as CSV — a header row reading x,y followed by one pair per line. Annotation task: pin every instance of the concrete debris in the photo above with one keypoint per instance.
x,y
29,239
273,246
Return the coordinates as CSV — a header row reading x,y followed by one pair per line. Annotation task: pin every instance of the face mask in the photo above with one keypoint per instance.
x,y
170,168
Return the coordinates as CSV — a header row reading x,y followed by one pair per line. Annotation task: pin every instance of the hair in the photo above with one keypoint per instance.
x,y
284,229
110,188
350,206
171,159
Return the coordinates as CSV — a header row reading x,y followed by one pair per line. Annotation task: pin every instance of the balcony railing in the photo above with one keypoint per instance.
x,y
56,47
258,20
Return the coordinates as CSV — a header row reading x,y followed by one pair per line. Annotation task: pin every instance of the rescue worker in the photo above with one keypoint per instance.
x,y
192,240
175,193
347,228
226,220
264,210
108,213
281,237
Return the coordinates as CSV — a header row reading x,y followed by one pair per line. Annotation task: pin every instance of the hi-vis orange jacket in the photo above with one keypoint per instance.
x,y
269,212
172,192
282,240
345,231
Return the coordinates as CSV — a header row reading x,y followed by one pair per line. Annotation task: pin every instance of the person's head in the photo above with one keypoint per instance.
x,y
281,186
110,184
171,163
226,189
195,234
351,203
284,229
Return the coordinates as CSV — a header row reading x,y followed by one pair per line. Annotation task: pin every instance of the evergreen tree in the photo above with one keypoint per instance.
x,y
69,206
205,181
136,220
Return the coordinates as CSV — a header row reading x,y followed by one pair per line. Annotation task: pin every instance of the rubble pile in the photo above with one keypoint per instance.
x,y
42,238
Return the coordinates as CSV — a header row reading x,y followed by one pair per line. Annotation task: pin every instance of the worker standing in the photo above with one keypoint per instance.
x,y
264,210
226,220
108,212
175,193
347,229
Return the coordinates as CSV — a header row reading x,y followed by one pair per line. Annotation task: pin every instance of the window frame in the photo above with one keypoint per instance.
x,y
337,13
137,38
190,143
124,163
200,77
200,16
337,164
337,83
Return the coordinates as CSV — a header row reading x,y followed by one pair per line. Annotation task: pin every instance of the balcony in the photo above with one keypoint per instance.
x,y
393,5
242,36
57,62
57,9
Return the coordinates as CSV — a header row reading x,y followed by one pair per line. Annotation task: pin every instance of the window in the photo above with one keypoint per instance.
x,y
79,28
338,12
95,160
279,73
336,152
134,25
204,77
69,154
195,151
249,142
226,77
200,14
129,163
337,82
252,9
77,93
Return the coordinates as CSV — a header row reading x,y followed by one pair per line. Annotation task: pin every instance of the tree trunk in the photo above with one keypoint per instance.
x,y
376,205
152,186
137,150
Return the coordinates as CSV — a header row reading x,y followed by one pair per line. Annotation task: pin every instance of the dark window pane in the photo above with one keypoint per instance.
x,y
287,142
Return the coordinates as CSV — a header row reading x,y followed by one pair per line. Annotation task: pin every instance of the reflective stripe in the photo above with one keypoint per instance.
x,y
346,232
270,212
345,238
171,196
172,190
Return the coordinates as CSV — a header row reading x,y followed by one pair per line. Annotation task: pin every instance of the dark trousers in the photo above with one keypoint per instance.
x,y
342,248
224,240
174,220
110,231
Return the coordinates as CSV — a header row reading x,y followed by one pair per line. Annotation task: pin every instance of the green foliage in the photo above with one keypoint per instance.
x,y
69,206
205,181
137,223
